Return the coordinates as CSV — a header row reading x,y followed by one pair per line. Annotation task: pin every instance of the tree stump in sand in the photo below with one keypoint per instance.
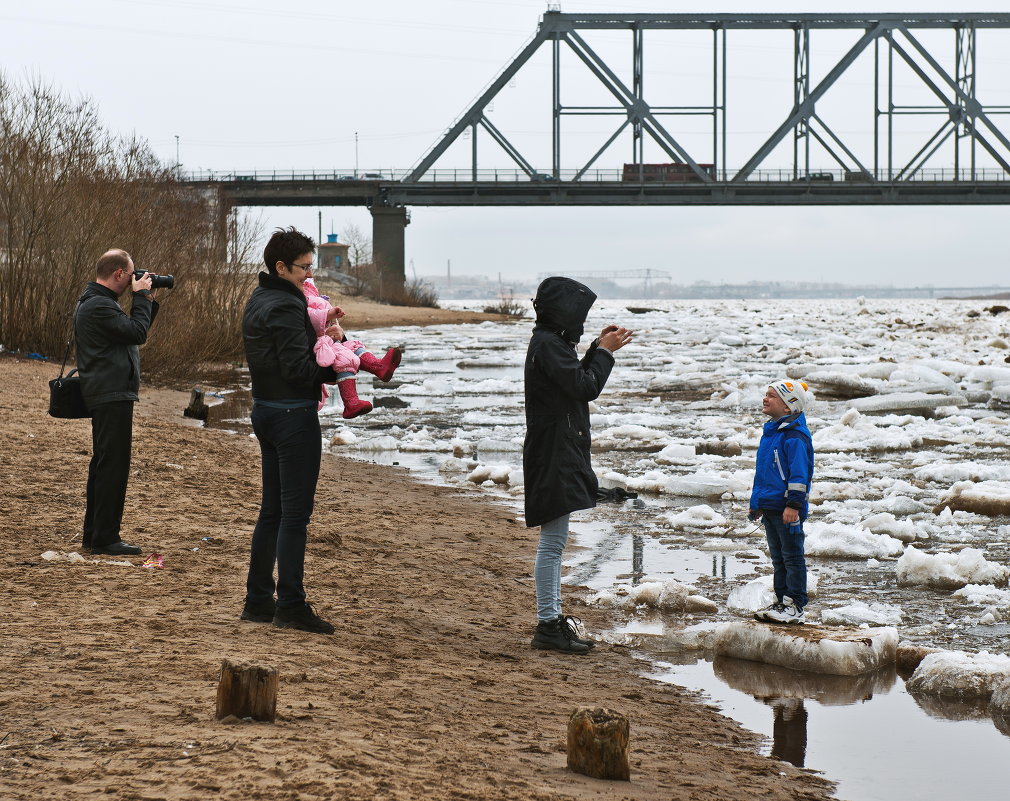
x,y
598,743
197,409
247,691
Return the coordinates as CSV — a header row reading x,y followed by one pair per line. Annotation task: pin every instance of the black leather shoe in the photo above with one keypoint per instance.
x,y
259,611
302,618
119,548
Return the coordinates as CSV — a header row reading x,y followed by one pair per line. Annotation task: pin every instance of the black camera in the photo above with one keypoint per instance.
x,y
157,281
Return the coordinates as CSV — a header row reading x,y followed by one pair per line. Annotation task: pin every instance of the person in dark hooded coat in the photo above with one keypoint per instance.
x,y
559,478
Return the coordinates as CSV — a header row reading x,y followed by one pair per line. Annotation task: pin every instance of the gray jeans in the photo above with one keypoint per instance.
x,y
547,568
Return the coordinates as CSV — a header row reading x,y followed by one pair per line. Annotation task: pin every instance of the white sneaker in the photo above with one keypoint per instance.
x,y
762,614
788,613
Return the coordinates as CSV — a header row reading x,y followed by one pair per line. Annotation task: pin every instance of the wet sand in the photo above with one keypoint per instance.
x,y
428,690
362,314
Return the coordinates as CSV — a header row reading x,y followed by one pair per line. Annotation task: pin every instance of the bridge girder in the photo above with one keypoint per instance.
x,y
965,115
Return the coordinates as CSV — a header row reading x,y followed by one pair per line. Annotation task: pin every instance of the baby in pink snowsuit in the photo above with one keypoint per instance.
x,y
332,348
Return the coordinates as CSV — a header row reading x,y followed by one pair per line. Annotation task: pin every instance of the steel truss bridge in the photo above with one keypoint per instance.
x,y
966,131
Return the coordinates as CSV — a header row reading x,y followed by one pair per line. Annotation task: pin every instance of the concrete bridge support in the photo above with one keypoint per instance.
x,y
388,223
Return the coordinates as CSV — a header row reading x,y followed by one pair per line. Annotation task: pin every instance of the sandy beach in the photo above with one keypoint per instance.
x,y
428,690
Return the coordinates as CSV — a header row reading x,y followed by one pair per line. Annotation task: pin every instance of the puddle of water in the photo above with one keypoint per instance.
x,y
866,732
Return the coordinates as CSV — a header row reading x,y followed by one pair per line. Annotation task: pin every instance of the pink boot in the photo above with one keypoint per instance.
x,y
382,368
353,406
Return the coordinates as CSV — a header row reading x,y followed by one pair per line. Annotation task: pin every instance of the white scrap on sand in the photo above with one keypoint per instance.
x,y
840,652
75,558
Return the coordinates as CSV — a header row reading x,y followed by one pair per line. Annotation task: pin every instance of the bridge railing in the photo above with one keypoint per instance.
x,y
613,175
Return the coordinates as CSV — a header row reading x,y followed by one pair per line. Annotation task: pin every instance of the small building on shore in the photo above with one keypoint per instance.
x,y
331,258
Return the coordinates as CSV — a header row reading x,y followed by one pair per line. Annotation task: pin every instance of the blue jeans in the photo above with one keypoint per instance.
x,y
786,550
291,445
547,568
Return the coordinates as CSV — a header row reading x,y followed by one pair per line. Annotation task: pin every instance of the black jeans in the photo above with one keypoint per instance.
x,y
108,473
291,445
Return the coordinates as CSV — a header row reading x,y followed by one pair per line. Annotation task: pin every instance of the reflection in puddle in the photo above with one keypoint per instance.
x,y
864,732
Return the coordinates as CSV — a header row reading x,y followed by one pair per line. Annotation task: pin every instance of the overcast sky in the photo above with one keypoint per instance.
x,y
260,85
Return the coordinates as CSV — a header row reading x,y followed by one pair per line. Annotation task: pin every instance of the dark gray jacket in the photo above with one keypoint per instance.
x,y
558,475
279,341
108,344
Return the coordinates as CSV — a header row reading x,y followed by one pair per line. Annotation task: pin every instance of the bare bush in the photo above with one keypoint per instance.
x,y
506,304
69,190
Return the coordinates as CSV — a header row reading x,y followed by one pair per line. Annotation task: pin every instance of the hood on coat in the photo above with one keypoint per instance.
x,y
562,305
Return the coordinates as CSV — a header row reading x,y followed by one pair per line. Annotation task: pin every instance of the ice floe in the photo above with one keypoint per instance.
x,y
856,612
848,542
959,674
948,570
820,650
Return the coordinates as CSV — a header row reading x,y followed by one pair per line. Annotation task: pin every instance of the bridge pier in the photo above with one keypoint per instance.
x,y
388,223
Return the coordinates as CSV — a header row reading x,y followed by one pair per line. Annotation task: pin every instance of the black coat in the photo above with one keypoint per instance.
x,y
107,343
279,341
558,475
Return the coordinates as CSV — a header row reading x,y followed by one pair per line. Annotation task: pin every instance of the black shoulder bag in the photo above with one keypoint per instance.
x,y
65,398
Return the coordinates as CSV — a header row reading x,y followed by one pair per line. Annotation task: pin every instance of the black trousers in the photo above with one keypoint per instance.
x,y
108,473
291,445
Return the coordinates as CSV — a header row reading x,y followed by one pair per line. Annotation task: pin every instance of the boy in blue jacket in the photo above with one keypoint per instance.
x,y
785,465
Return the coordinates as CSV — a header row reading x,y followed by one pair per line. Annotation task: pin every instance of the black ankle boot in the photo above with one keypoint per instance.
x,y
555,635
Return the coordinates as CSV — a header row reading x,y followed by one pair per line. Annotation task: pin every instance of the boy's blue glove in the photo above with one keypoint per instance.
x,y
796,528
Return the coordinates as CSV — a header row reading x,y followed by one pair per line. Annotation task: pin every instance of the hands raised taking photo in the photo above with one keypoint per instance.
x,y
615,337
143,283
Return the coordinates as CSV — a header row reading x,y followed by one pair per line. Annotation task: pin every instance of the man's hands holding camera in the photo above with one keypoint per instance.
x,y
143,284
615,337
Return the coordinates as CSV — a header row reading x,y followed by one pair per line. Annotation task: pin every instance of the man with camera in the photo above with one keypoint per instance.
x,y
279,340
108,360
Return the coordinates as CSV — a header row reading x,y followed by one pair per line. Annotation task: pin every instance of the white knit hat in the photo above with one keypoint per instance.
x,y
793,394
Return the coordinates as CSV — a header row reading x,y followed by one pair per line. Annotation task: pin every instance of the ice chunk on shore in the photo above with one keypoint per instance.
x,y
984,595
697,485
383,443
696,517
841,653
960,675
989,498
671,596
964,471
854,432
343,436
697,637
496,473
886,523
857,612
759,593
918,402
675,453
848,542
488,445
948,570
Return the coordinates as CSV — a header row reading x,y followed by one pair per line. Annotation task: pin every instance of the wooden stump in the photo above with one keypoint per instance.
x,y
197,409
598,742
247,691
